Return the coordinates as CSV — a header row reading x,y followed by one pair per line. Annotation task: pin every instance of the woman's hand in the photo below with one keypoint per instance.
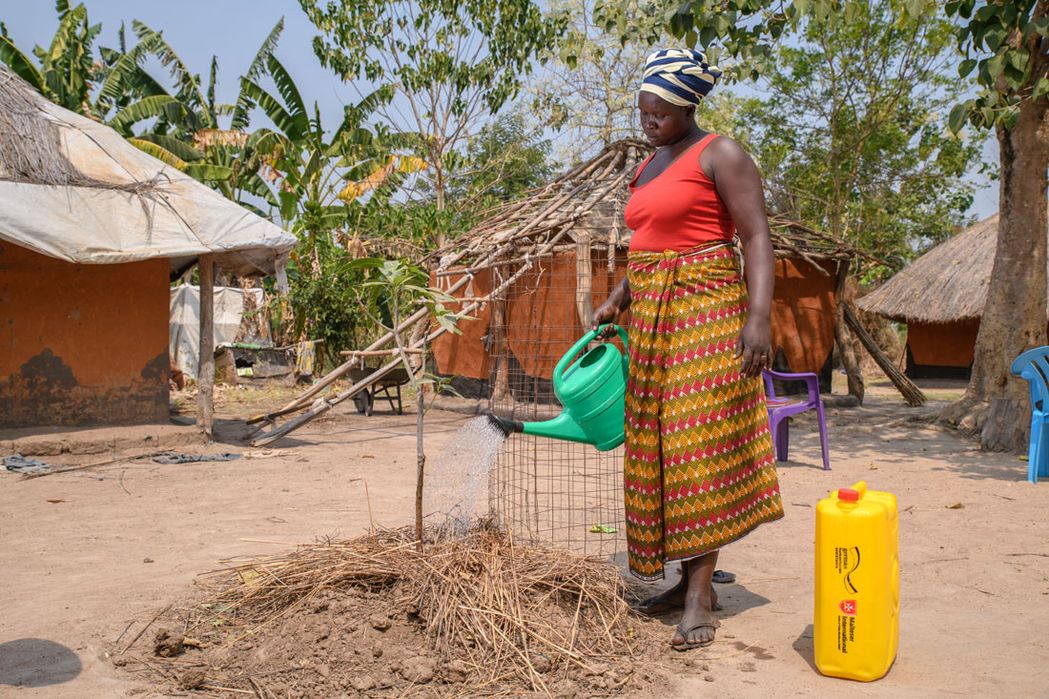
x,y
755,346
617,302
607,312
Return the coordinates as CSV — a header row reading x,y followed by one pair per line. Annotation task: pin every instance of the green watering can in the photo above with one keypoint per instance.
x,y
592,391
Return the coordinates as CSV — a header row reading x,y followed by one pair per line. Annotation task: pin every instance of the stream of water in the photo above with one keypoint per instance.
x,y
456,485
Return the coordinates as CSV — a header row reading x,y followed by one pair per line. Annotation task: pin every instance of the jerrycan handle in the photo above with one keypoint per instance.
x,y
566,361
860,487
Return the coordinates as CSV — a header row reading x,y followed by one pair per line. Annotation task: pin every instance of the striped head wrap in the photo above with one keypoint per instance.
x,y
679,76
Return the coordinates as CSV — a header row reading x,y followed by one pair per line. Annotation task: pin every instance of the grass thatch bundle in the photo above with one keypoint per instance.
x,y
947,284
32,150
509,613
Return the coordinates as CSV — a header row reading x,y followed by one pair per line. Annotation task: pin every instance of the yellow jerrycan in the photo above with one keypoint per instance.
x,y
856,628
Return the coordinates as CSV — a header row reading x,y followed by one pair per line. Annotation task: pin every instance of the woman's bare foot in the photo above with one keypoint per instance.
x,y
697,625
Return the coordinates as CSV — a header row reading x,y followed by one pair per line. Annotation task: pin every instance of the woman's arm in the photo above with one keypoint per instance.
x,y
617,302
739,184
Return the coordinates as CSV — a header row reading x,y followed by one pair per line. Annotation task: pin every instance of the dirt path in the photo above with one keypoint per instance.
x,y
82,555
974,569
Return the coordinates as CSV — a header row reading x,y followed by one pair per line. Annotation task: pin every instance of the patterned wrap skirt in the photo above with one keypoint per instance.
x,y
699,470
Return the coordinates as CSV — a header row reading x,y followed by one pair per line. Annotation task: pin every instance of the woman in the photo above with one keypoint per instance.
x,y
699,471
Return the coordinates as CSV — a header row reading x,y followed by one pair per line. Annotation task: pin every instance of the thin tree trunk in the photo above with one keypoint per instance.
x,y
1014,318
206,348
497,349
439,201
843,338
420,454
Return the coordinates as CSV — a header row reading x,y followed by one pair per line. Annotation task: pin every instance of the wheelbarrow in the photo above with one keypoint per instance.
x,y
388,387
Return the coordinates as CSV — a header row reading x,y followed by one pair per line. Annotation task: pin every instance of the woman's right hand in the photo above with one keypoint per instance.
x,y
607,312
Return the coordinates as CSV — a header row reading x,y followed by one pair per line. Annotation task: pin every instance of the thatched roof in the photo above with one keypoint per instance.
x,y
588,201
946,284
74,189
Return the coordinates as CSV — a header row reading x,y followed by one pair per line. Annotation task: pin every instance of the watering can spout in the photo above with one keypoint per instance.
x,y
561,427
506,425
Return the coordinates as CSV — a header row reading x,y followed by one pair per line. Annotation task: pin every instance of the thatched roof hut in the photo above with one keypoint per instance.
x,y
945,285
75,190
91,228
562,249
941,296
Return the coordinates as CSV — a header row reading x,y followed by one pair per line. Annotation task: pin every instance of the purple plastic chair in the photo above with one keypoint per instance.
x,y
781,410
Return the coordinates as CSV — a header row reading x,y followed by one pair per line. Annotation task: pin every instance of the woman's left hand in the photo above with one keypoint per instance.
x,y
755,346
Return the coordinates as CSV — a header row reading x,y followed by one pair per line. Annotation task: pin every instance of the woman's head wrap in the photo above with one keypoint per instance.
x,y
679,76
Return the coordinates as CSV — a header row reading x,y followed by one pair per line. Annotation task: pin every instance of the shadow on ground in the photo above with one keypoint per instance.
x,y
804,647
35,662
892,434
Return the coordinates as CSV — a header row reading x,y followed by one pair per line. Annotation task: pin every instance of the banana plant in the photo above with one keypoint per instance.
x,y
314,175
179,126
65,71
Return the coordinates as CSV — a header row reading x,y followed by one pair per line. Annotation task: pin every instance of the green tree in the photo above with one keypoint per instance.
x,y
588,88
850,137
1006,51
504,160
179,126
315,180
392,292
313,173
449,64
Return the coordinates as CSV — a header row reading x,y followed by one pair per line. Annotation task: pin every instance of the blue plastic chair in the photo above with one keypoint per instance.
x,y
781,410
1033,365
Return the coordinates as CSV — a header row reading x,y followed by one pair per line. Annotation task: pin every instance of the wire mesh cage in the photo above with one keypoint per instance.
x,y
542,489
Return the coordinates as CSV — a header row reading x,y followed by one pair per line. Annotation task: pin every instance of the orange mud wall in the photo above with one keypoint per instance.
x,y
465,354
803,313
943,344
542,321
82,344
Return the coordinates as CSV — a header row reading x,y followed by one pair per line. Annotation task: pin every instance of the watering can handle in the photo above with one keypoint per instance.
x,y
580,345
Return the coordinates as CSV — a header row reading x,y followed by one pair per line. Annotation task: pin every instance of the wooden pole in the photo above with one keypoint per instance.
x,y
206,354
584,281
907,388
496,346
842,338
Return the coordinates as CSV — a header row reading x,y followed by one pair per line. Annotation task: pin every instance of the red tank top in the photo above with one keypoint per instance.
x,y
679,208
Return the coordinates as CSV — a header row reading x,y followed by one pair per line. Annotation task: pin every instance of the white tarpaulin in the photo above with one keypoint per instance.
x,y
175,217
184,335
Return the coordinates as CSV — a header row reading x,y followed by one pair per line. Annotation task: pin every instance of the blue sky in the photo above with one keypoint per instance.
x,y
232,30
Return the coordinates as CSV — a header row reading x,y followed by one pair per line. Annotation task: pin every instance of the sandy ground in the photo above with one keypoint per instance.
x,y
85,554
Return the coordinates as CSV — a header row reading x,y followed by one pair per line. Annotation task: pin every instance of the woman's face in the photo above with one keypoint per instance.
x,y
663,122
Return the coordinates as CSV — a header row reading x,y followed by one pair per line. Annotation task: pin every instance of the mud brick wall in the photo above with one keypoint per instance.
x,y
803,312
82,344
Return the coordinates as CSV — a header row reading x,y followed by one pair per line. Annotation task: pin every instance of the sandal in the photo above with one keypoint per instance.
x,y
684,633
723,577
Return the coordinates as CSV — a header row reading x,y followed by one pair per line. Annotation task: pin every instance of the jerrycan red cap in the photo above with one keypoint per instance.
x,y
848,495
